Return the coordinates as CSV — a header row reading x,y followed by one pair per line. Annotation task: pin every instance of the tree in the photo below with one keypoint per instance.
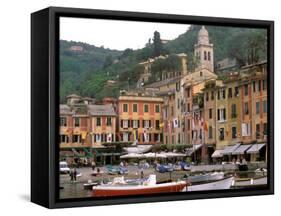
x,y
157,44
108,61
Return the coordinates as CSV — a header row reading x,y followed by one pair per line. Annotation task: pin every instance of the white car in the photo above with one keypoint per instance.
x,y
64,169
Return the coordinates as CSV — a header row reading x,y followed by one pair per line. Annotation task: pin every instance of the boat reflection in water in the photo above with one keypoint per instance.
x,y
119,187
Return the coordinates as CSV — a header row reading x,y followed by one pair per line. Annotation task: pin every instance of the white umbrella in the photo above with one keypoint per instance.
x,y
132,155
154,155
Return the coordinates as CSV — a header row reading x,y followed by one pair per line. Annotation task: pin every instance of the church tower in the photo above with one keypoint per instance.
x,y
204,51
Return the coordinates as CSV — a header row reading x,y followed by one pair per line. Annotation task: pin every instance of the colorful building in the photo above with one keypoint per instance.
x,y
140,119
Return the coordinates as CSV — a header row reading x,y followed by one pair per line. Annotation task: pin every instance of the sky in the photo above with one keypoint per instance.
x,y
116,34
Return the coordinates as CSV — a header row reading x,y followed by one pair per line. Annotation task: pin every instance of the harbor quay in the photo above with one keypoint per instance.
x,y
70,189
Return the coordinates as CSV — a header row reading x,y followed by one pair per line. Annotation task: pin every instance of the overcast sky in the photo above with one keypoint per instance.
x,y
116,34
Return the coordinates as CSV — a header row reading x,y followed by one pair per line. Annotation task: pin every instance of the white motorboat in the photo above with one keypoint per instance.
x,y
216,185
205,177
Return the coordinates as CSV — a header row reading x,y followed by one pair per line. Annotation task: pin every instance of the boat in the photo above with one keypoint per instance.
x,y
215,185
119,187
204,177
89,185
250,182
161,168
116,170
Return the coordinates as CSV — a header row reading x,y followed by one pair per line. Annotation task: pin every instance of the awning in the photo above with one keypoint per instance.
x,y
191,150
155,155
255,148
230,149
174,154
217,154
241,149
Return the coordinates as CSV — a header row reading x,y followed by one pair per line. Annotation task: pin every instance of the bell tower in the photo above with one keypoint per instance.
x,y
204,51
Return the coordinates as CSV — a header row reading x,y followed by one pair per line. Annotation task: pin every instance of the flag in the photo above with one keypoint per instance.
x,y
109,138
84,134
176,122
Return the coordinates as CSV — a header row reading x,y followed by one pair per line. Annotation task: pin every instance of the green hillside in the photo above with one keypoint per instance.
x,y
87,72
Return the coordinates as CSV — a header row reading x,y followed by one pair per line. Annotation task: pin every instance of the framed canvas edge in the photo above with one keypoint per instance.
x,y
55,12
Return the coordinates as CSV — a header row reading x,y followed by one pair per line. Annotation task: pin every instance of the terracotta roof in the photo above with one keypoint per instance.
x,y
65,109
101,110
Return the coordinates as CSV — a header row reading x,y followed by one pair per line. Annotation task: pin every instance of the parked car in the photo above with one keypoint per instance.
x,y
64,169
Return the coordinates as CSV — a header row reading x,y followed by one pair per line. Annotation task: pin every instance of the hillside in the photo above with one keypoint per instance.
x,y
86,72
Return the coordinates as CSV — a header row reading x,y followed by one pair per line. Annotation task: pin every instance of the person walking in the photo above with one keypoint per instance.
x,y
74,174
93,165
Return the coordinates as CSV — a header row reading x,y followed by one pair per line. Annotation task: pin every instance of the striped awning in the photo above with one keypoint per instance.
x,y
241,149
217,154
230,149
255,148
191,150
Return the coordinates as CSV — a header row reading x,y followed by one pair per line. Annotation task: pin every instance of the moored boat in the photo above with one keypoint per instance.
x,y
216,185
121,188
205,177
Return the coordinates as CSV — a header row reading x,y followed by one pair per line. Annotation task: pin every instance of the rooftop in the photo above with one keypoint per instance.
x,y
101,110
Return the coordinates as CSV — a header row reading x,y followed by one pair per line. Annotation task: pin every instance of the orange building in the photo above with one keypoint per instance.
x,y
140,119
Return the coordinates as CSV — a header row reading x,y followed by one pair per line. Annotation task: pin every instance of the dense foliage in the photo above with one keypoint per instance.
x,y
89,71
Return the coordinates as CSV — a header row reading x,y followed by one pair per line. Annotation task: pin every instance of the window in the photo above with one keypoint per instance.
x,y
135,123
246,90
233,111
264,85
264,128
125,123
259,85
125,137
146,108
210,113
205,55
258,132
188,124
222,114
108,121
221,133
264,106
76,138
230,93
209,56
172,110
76,122
188,92
223,93
63,138
246,129
98,121
125,107
179,103
146,123
178,85
135,108
246,108
212,95
254,86
257,108
210,132
201,73
157,108
236,91
234,132
157,124
98,137
207,96
219,95
63,122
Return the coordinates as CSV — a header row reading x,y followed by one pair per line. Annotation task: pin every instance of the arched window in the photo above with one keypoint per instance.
x,y
205,55
209,56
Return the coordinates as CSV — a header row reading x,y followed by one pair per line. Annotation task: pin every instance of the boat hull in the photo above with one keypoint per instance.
x,y
217,185
109,191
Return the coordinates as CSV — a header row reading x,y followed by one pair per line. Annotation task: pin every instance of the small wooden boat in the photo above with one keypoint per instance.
x,y
121,188
250,182
216,185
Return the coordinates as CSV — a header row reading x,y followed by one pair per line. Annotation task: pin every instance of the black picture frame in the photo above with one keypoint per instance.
x,y
45,104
